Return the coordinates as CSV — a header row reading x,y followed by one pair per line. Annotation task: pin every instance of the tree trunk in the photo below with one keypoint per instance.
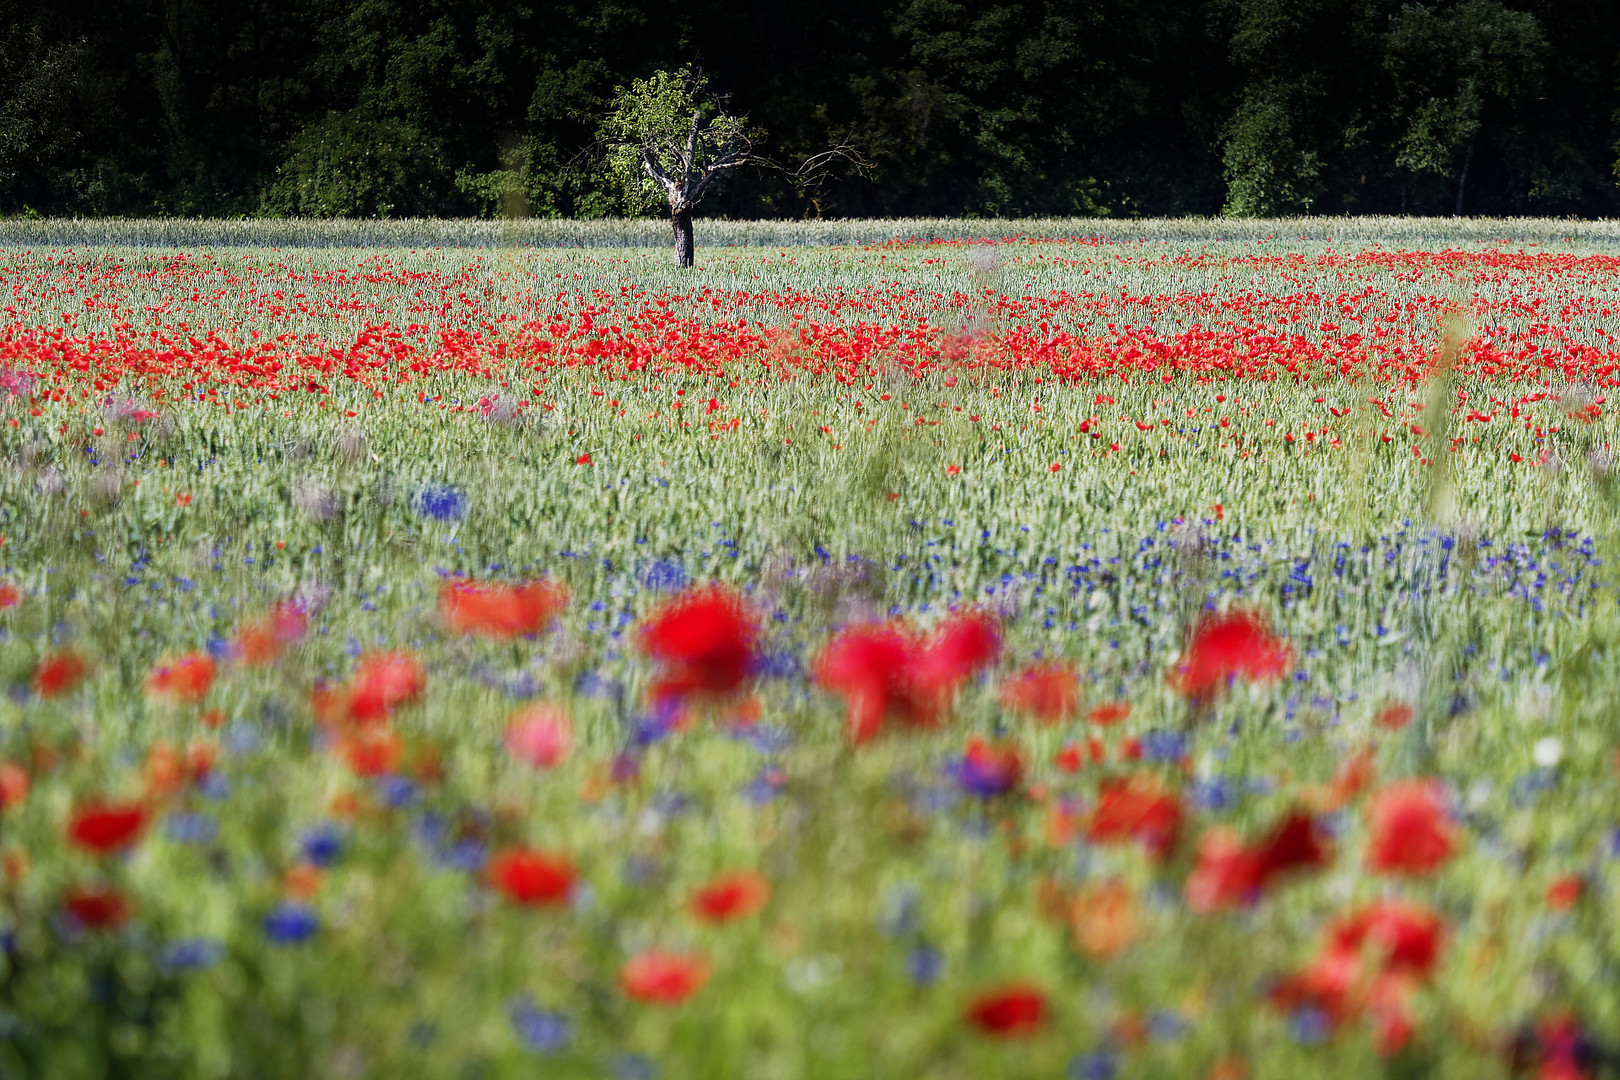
x,y
681,222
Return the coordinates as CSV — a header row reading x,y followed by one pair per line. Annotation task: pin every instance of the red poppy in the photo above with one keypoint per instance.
x,y
1011,1012
866,666
500,611
663,978
375,752
1394,717
97,909
56,675
882,670
14,784
706,641
1411,832
965,643
1110,714
1136,808
989,769
1048,692
540,735
382,683
183,681
107,827
731,896
263,640
1565,891
1223,647
10,596
532,878
1230,873
1372,963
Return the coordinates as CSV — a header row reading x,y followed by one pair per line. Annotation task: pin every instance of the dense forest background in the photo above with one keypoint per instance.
x,y
978,107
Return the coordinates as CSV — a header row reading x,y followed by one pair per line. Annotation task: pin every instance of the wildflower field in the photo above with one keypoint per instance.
x,y
936,649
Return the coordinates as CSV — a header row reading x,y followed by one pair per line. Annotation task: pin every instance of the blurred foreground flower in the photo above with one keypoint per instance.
x,y
1012,1012
1137,808
262,641
731,896
531,878
1224,647
104,828
883,671
988,770
1230,873
1411,831
539,736
183,681
663,978
1049,692
1372,963
706,642
59,673
96,908
500,611
382,683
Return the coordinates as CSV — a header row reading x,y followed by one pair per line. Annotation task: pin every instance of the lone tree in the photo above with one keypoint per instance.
x,y
670,137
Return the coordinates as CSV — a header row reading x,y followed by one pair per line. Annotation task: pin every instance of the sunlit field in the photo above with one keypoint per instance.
x,y
948,649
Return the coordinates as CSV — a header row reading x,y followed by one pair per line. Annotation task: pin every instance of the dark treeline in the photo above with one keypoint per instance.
x,y
991,107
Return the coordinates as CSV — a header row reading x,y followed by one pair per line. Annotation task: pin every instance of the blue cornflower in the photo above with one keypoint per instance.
x,y
1100,1065
1309,1026
924,965
544,1031
322,844
633,1067
190,954
187,828
665,574
441,502
290,924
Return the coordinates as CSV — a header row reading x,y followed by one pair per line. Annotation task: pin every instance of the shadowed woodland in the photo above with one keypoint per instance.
x,y
389,108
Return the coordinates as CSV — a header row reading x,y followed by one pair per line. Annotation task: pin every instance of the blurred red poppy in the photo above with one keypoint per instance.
x,y
183,681
107,827
382,683
731,896
1223,647
663,978
14,784
1230,873
1410,830
989,769
1372,962
539,736
10,596
1394,717
96,908
374,752
706,641
263,640
58,674
1011,1012
500,611
532,878
1137,808
1049,692
1109,714
883,670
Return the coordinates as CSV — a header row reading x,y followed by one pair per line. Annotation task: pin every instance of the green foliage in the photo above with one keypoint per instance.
x,y
961,107
670,125
1268,174
358,165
